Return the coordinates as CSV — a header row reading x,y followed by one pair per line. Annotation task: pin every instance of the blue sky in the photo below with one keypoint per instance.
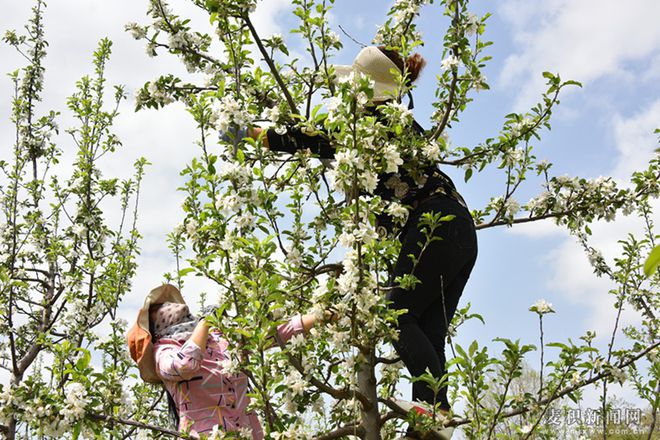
x,y
605,128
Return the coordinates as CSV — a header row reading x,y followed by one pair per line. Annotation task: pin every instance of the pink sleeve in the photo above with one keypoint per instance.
x,y
174,362
290,329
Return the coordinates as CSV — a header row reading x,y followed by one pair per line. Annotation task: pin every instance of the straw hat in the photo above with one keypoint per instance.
x,y
138,337
372,62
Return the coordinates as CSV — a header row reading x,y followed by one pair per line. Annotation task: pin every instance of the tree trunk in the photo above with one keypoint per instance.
x,y
11,429
367,386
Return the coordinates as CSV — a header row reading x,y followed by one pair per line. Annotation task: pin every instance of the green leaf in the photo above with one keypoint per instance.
x,y
651,264
468,174
82,363
186,271
240,156
573,83
76,431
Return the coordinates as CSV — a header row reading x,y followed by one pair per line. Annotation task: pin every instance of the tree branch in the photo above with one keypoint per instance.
x,y
108,419
355,430
452,87
271,65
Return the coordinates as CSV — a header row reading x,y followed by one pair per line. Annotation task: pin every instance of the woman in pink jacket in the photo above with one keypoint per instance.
x,y
189,359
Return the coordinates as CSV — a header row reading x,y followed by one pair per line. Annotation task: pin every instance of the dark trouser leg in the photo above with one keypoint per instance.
x,y
446,262
434,324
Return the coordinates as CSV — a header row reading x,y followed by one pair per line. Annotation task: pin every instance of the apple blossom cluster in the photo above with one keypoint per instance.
x,y
229,113
542,307
156,91
38,406
399,25
598,198
79,314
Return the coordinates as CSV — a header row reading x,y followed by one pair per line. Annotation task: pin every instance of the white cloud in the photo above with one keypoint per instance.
x,y
635,140
572,277
582,40
653,71
266,18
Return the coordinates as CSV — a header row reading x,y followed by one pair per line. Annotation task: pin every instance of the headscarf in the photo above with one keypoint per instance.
x,y
173,320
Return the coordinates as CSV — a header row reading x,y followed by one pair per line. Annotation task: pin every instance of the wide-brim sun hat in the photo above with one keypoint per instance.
x,y
371,61
140,340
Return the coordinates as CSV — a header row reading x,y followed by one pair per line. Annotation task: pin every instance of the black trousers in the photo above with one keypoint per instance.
x,y
443,269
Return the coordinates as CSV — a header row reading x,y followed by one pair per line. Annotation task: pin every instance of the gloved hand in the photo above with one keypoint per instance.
x,y
234,135
207,311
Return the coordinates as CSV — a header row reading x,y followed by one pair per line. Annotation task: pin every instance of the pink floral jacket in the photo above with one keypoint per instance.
x,y
205,395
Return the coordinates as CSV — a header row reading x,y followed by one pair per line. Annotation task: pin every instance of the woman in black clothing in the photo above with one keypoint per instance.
x,y
445,265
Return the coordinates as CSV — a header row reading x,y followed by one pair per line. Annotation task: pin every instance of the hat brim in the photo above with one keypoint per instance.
x,y
383,91
140,343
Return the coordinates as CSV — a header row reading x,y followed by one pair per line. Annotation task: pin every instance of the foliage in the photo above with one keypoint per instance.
x,y
280,234
64,268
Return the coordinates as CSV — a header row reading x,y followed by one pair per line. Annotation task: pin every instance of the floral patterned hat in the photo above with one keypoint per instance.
x,y
138,337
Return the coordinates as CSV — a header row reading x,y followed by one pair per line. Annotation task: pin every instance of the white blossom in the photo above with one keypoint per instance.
x,y
191,227
619,375
333,38
227,242
366,233
398,212
401,112
297,342
76,400
392,159
450,62
79,230
346,239
597,260
229,111
431,150
348,157
228,203
229,366
471,24
241,174
296,383
245,220
369,181
138,32
511,207
294,257
332,104
273,114
362,98
542,307
178,229
513,157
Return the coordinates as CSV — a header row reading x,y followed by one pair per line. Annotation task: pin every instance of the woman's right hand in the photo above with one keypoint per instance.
x,y
201,333
255,132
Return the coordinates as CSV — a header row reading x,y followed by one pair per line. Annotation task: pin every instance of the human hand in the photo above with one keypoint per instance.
x,y
234,135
